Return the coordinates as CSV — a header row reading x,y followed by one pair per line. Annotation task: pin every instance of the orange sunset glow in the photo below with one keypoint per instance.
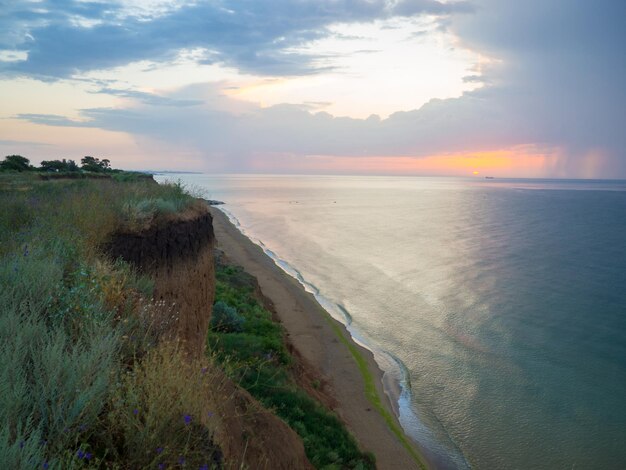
x,y
501,163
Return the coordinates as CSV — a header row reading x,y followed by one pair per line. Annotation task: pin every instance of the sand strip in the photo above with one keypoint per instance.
x,y
327,345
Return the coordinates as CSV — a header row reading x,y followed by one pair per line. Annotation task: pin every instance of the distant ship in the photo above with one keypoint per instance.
x,y
488,177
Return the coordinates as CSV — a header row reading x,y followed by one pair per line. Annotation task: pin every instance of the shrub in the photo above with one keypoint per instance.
x,y
257,358
72,323
164,409
225,318
54,384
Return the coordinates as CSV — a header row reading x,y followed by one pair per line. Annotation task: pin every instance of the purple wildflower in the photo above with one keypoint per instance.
x,y
209,414
159,450
88,455
135,411
181,460
82,427
187,419
22,444
46,466
204,467
80,454
204,370
161,466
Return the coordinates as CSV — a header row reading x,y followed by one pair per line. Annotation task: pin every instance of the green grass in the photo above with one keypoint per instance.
x,y
78,335
257,358
372,393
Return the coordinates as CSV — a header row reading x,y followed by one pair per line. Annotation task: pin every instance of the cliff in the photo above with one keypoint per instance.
x,y
177,253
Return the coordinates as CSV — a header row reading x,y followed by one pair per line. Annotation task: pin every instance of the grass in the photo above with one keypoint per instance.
x,y
372,394
257,358
78,335
87,381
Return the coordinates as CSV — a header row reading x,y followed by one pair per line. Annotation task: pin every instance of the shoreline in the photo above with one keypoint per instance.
x,y
392,386
357,382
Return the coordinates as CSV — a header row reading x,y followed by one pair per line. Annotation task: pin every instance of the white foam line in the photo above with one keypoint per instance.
x,y
422,434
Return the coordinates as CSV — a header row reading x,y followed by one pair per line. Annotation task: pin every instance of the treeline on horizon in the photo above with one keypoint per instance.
x,y
18,163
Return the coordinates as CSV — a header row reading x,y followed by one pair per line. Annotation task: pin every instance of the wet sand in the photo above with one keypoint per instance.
x,y
315,335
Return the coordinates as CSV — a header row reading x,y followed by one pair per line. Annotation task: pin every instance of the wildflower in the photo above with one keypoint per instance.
x,y
209,414
161,466
88,455
135,411
187,420
80,454
181,460
82,427
204,370
46,466
159,450
204,467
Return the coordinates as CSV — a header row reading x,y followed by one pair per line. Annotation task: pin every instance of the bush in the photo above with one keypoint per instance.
x,y
72,324
256,357
166,409
225,318
54,380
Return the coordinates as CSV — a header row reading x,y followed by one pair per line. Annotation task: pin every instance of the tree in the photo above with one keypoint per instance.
x,y
51,165
59,165
15,163
72,166
88,163
94,164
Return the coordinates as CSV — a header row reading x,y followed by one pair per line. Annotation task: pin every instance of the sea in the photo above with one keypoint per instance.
x,y
497,305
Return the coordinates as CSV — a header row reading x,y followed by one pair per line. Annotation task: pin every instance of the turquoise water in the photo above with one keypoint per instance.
x,y
499,304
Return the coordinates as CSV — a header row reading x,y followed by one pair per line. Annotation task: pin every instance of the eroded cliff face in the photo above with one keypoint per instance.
x,y
177,253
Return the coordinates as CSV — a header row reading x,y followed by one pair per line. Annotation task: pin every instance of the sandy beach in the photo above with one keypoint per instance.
x,y
315,335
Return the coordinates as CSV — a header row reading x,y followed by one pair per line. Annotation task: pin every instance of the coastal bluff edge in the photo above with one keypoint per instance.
x,y
177,252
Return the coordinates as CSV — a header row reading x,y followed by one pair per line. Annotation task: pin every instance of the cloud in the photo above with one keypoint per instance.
x,y
560,74
149,98
415,7
441,125
555,81
65,37
15,143
51,120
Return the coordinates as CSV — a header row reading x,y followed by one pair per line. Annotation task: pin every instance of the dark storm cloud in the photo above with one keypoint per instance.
x,y
561,73
250,35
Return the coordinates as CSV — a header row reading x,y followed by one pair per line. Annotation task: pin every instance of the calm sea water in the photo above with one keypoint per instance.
x,y
499,304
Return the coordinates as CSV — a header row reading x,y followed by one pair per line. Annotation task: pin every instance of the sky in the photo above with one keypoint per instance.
x,y
532,88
